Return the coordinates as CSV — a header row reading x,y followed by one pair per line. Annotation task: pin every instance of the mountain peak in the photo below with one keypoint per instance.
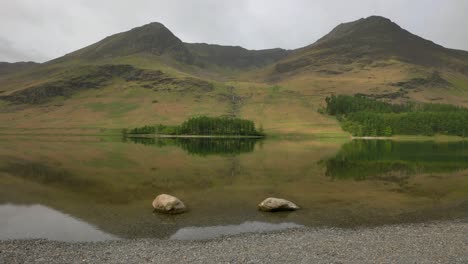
x,y
368,40
154,23
156,26
362,28
378,22
377,18
370,21
153,38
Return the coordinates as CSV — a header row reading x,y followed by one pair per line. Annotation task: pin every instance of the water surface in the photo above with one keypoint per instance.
x,y
38,221
102,189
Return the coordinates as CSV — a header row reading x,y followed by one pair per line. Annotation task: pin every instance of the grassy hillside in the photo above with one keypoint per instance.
x,y
148,76
376,57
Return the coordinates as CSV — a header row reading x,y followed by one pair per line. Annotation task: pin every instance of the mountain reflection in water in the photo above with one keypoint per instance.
x,y
38,221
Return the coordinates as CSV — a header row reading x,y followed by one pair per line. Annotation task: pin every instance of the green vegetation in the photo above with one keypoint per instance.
x,y
203,125
203,146
362,116
395,161
112,109
157,129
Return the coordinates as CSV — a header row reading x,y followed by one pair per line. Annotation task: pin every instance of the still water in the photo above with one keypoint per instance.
x,y
91,189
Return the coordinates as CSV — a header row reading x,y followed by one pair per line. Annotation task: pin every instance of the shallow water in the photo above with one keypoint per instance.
x,y
38,221
91,189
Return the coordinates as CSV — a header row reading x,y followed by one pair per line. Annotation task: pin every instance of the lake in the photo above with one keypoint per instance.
x,y
93,189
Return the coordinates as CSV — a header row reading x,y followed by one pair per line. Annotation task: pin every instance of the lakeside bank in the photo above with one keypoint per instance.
x,y
438,242
436,138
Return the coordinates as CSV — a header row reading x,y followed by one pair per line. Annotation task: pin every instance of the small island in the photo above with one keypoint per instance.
x,y
202,127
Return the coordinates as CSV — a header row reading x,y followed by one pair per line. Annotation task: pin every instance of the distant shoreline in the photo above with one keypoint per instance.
x,y
415,138
372,138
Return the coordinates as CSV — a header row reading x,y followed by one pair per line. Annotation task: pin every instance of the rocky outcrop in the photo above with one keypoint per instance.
x,y
96,77
168,204
277,204
434,80
81,78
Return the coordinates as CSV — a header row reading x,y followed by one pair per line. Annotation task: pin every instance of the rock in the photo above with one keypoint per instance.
x,y
168,204
277,204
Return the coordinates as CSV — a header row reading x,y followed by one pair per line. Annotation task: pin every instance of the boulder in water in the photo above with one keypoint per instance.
x,y
169,204
277,204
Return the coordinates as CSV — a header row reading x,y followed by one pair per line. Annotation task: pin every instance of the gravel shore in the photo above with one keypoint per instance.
x,y
443,242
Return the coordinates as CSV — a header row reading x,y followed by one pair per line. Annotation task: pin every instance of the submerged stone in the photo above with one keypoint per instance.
x,y
277,204
168,204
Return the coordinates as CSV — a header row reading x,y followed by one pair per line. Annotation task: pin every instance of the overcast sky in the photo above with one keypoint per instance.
x,y
40,30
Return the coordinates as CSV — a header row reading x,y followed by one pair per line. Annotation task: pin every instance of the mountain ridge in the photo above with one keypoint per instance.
x,y
11,67
374,38
156,39
152,38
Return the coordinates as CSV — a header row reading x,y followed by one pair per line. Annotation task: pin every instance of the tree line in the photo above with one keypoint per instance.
x,y
203,125
363,116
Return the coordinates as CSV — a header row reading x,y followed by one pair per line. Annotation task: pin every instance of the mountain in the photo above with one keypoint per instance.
x,y
233,56
374,39
148,75
156,39
7,67
153,38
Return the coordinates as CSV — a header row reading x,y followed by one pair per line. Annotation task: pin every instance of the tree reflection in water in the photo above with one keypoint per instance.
x,y
203,146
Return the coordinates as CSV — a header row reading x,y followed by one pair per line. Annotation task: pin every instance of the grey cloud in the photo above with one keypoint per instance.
x,y
55,27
